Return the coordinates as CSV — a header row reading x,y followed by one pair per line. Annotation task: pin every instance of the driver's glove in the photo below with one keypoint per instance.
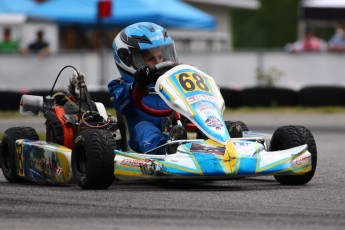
x,y
143,76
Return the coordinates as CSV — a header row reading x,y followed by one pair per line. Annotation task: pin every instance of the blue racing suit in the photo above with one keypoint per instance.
x,y
145,130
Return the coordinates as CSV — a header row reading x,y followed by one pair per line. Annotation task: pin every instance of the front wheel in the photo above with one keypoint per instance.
x,y
236,128
93,159
291,136
8,150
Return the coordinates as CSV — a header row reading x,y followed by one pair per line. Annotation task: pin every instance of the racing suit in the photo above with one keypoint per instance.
x,y
145,130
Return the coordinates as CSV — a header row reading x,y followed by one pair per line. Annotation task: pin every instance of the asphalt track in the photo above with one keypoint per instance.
x,y
253,203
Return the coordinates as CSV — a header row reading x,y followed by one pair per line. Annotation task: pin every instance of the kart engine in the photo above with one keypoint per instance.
x,y
69,113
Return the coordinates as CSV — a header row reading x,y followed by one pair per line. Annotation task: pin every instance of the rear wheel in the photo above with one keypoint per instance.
x,y
287,137
8,150
54,132
93,159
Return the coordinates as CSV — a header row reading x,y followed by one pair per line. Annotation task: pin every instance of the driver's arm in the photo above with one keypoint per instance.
x,y
121,91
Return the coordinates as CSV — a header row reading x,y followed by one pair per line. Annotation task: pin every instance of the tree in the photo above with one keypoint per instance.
x,y
273,25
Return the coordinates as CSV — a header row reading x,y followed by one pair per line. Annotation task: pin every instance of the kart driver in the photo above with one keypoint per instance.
x,y
137,49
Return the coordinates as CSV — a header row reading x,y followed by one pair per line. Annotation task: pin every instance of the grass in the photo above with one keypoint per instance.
x,y
284,110
273,109
9,114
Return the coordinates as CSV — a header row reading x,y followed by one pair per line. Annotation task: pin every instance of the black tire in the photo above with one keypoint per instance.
x,y
200,135
236,128
93,159
287,137
176,133
54,132
8,150
244,127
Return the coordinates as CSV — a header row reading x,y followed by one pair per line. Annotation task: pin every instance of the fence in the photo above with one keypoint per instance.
x,y
306,79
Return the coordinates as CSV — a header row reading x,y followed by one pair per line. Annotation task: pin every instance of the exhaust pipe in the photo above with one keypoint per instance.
x,y
31,105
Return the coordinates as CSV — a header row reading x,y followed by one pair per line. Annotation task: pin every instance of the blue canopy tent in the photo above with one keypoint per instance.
x,y
323,10
13,11
16,6
168,13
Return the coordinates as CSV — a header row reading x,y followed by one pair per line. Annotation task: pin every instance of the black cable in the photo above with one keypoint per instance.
x,y
51,91
79,112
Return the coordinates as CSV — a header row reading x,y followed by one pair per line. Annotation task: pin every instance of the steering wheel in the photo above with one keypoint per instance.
x,y
140,93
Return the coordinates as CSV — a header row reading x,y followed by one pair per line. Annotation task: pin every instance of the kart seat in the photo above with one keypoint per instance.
x,y
124,130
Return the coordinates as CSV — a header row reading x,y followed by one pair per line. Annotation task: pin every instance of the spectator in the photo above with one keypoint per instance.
x,y
39,46
311,43
337,41
7,45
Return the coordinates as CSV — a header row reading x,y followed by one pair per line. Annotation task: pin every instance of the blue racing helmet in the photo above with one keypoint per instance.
x,y
134,41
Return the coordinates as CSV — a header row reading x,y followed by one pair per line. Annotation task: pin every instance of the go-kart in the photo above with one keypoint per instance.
x,y
221,149
23,157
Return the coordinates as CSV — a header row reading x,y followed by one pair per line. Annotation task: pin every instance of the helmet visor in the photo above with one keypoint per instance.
x,y
151,57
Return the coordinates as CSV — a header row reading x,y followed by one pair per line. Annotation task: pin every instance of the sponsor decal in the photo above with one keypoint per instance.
x,y
213,121
148,168
301,160
49,166
156,38
207,149
123,105
209,115
192,99
202,97
133,162
19,151
45,165
245,148
202,106
212,99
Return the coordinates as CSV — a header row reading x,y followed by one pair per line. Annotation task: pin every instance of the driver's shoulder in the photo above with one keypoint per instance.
x,y
119,82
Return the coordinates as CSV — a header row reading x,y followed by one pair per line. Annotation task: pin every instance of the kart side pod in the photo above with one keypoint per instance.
x,y
42,162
